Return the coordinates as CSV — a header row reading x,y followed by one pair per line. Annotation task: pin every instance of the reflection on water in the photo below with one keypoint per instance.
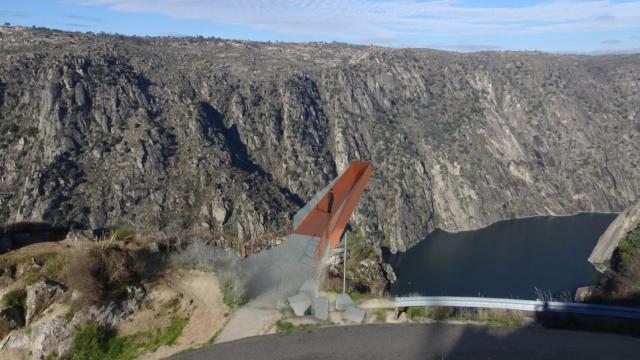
x,y
508,259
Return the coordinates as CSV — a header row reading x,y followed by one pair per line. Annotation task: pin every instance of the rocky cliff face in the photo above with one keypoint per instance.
x,y
626,222
99,131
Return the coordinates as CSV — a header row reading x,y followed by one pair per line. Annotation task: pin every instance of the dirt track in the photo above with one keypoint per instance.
x,y
208,315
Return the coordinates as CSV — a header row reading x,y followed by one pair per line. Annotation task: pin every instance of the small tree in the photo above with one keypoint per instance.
x,y
7,24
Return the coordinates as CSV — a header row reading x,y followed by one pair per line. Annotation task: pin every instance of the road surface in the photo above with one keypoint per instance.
x,y
424,341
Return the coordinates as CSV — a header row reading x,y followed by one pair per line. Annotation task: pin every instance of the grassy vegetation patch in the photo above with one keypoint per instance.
x,y
283,326
444,313
102,274
37,267
121,234
337,289
416,313
332,285
53,267
358,249
93,342
358,296
494,317
15,297
285,311
89,342
230,298
209,342
622,284
380,315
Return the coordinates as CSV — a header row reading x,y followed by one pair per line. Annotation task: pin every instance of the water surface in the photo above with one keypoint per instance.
x,y
508,259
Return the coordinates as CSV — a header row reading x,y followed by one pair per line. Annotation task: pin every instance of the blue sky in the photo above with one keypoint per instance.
x,y
545,25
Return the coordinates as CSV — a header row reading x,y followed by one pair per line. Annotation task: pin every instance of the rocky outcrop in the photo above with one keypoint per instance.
x,y
627,221
40,295
54,337
7,276
370,275
108,315
17,340
232,136
51,338
584,293
11,318
135,295
43,340
389,273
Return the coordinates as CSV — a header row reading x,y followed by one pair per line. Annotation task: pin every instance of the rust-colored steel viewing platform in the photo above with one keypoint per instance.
x,y
328,213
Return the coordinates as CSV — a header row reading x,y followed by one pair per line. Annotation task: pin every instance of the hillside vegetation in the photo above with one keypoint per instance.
x,y
112,299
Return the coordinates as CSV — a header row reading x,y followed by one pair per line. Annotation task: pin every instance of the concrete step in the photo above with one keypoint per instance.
x,y
353,314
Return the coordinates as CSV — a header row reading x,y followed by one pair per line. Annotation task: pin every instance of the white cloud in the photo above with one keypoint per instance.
x,y
358,20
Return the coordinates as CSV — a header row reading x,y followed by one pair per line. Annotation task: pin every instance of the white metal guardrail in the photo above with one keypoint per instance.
x,y
523,305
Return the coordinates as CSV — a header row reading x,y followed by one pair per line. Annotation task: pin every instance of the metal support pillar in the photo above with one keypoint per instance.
x,y
344,266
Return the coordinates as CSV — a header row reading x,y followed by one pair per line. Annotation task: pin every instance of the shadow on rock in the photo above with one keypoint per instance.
x,y
17,235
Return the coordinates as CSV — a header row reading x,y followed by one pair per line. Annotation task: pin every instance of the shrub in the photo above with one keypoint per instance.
x,y
495,317
197,255
102,274
416,312
120,233
361,252
628,253
284,326
229,299
380,315
358,249
357,296
94,342
441,313
234,288
86,273
89,342
150,341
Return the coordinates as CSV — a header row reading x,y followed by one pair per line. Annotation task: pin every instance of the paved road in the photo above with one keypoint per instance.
x,y
425,341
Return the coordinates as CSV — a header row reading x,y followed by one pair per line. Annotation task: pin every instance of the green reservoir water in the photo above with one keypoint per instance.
x,y
508,259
